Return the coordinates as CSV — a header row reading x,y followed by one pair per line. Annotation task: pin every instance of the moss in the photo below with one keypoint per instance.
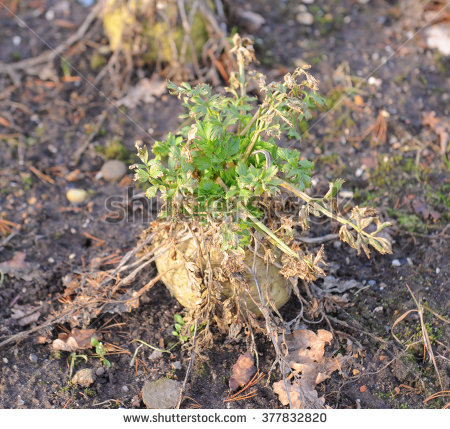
x,y
97,61
114,149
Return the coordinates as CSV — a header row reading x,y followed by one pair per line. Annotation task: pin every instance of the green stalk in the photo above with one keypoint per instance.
x,y
271,236
324,210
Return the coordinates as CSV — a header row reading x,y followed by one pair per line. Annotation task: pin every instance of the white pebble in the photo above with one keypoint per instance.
x,y
305,18
16,40
359,172
396,263
50,15
438,270
378,309
76,196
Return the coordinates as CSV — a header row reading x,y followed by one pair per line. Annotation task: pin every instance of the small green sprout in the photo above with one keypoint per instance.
x,y
178,331
100,350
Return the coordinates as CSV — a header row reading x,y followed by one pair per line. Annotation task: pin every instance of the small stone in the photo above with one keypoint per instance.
x,y
99,371
252,21
373,81
378,309
305,18
33,358
396,263
359,172
76,196
156,354
125,389
50,15
372,282
113,170
161,394
20,401
409,261
177,365
438,270
16,40
5,360
72,256
308,1
84,377
51,260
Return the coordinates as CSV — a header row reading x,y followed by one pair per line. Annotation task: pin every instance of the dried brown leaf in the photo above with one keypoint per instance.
x,y
78,339
242,371
306,357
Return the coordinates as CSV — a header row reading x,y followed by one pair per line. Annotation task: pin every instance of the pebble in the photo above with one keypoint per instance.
x,y
51,260
76,196
84,377
5,360
177,365
373,81
378,309
125,389
99,371
438,270
372,282
305,18
113,170
16,40
359,172
33,358
161,394
396,263
50,15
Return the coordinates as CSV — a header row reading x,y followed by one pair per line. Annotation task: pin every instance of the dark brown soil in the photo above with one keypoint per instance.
x,y
404,175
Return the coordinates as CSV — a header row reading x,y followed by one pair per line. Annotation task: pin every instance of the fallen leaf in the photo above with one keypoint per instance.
x,y
145,91
302,396
306,357
77,340
25,314
242,371
18,268
362,389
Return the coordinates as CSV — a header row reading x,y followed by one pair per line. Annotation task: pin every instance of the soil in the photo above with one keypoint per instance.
x,y
403,173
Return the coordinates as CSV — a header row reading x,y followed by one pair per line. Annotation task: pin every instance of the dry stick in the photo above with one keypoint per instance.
x,y
24,334
425,336
189,369
317,240
49,55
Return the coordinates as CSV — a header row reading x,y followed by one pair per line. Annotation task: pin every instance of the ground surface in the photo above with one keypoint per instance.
x,y
402,172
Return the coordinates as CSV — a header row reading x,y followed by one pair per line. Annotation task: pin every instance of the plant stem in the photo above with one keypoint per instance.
x,y
323,209
272,237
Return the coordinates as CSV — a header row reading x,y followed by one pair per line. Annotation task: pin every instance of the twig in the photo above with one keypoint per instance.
x,y
317,240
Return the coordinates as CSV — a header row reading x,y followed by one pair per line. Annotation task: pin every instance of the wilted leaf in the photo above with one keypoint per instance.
x,y
242,371
78,339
